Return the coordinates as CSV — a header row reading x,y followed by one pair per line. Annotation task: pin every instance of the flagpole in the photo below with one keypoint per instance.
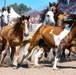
x,y
4,3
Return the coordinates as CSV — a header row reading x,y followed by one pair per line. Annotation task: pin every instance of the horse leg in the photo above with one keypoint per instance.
x,y
28,53
1,45
68,56
58,54
38,55
62,55
4,53
54,51
71,49
15,62
12,53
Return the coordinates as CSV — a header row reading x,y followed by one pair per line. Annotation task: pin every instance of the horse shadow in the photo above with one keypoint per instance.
x,y
49,63
43,63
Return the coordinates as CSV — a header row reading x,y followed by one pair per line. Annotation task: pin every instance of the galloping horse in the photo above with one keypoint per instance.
x,y
12,36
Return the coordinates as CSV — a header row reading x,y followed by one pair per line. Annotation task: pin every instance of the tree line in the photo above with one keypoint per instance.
x,y
20,9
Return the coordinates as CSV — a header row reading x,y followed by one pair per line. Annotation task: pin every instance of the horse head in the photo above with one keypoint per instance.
x,y
4,16
50,14
21,25
60,19
7,15
69,19
26,22
49,17
53,6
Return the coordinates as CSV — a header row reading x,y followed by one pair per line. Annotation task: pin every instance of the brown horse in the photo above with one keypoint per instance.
x,y
54,37
72,45
12,36
53,6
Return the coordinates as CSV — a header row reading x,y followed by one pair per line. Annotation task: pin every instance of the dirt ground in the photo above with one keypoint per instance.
x,y
65,68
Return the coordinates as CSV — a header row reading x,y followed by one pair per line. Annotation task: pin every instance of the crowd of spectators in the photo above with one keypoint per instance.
x,y
70,8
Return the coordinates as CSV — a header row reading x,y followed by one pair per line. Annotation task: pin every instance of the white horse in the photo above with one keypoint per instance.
x,y
4,17
7,17
49,17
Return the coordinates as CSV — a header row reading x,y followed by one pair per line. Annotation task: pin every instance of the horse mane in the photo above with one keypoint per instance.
x,y
57,14
70,19
42,15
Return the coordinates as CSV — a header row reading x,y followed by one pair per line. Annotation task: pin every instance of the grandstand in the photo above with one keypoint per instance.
x,y
69,6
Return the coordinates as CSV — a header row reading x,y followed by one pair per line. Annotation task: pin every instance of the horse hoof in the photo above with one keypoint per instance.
x,y
15,67
38,66
67,59
42,65
55,68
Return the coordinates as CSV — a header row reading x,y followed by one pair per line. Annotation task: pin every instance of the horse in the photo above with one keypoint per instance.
x,y
4,17
12,36
46,16
49,15
72,47
58,17
7,16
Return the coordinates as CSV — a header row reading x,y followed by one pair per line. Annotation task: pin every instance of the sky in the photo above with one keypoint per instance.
x,y
34,4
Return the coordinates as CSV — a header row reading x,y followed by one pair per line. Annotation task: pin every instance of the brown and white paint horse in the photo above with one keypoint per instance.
x,y
58,17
